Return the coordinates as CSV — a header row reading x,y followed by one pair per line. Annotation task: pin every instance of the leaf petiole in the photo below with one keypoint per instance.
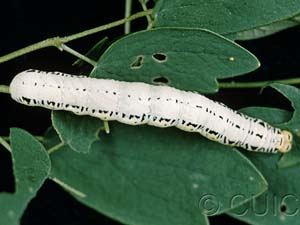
x,y
55,148
4,143
78,55
258,84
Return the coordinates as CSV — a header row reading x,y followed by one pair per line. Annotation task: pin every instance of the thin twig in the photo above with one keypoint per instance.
x,y
128,8
107,26
5,144
149,19
258,84
78,55
58,41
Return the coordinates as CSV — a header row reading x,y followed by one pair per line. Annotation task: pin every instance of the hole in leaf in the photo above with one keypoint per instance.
x,y
138,62
160,57
283,208
160,80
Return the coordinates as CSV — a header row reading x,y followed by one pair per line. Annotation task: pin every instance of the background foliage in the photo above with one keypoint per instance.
x,y
145,175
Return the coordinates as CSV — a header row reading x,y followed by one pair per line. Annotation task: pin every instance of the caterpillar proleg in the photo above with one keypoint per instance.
x,y
140,103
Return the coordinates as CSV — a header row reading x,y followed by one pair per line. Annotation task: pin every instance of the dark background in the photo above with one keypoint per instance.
x,y
27,22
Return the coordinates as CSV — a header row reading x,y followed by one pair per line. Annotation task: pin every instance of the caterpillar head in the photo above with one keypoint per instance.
x,y
286,144
22,87
36,88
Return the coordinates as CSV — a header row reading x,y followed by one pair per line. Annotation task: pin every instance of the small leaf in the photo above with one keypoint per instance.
x,y
137,172
189,59
31,168
223,17
79,132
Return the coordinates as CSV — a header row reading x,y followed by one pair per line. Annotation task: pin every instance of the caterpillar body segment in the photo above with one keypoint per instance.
x,y
137,103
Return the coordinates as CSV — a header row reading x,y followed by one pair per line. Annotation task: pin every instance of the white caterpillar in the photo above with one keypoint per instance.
x,y
139,103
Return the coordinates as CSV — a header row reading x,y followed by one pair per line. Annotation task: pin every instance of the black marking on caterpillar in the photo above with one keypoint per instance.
x,y
139,103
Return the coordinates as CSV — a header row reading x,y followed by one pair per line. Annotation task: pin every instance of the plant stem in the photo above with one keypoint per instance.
x,y
68,187
40,138
4,89
55,148
39,45
5,144
144,6
258,84
58,41
78,55
128,8
107,26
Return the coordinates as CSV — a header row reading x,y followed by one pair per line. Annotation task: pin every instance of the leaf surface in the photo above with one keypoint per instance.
x,y
188,59
223,17
79,132
145,175
31,166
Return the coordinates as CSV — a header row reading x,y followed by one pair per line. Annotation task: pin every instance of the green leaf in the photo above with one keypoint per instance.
x,y
189,59
140,171
224,17
266,30
280,204
31,167
79,132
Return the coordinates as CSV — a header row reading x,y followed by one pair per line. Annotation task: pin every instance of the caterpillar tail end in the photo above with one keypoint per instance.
x,y
286,144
